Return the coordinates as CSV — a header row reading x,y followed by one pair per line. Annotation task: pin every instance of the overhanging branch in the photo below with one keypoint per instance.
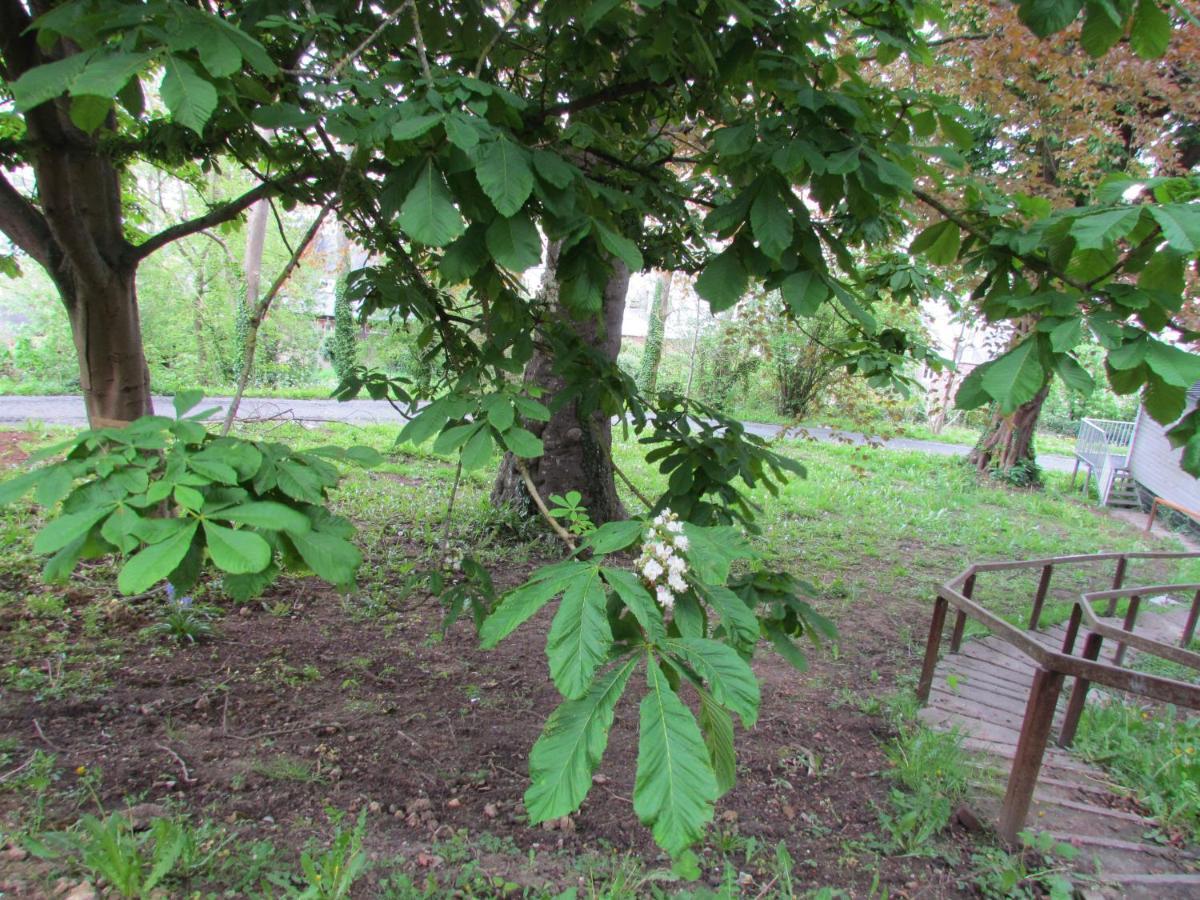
x,y
23,224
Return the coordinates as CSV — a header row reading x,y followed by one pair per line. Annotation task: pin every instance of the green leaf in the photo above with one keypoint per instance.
x,y
1100,33
500,411
413,127
185,401
514,242
1099,230
939,243
639,602
1074,376
613,536
246,587
1174,366
729,677
18,487
520,604
958,134
298,481
236,551
1180,223
1045,17
478,450
523,443
88,113
190,98
723,281
219,55
188,497
334,559
622,248
571,745
737,618
1150,33
785,647
1015,377
67,528
712,550
45,82
970,394
675,787
717,728
579,636
804,292
266,514
553,168
424,424
157,561
428,214
504,174
1066,335
463,258
771,221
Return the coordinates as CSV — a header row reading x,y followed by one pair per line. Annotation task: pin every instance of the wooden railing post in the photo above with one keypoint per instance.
x,y
1031,748
1068,644
1039,598
1135,603
1118,580
1189,629
1091,650
960,621
932,648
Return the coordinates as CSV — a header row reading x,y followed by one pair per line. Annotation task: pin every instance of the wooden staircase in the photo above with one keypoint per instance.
x,y
1124,491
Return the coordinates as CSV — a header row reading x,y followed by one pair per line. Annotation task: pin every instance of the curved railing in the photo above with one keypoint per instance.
x,y
1052,666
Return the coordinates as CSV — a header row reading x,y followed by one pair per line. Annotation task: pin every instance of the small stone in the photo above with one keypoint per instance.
x,y
202,704
270,820
14,854
374,806
967,820
788,810
419,804
81,891
244,611
599,779
454,803
490,811
567,824
141,815
730,816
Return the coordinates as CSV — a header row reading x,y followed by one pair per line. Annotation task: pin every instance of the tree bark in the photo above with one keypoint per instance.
x,y
647,377
1006,446
577,448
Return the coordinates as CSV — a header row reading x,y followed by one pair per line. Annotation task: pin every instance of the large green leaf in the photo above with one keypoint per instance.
x,y
729,677
105,74
723,281
47,81
1100,33
717,727
737,618
1074,376
939,243
1045,17
1015,377
1180,224
15,488
771,221
514,242
1099,230
157,561
267,514
428,214
613,536
1150,32
520,604
675,788
523,443
1174,366
571,745
190,98
712,550
333,558
639,602
504,174
579,636
236,551
478,450
68,527
804,292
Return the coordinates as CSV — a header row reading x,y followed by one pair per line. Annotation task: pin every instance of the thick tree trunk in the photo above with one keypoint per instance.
x,y
576,447
647,377
108,341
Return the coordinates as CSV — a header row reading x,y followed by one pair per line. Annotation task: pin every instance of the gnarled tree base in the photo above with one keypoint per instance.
x,y
1006,448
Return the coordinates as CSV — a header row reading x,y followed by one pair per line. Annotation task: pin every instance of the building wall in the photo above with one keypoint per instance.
x,y
1155,464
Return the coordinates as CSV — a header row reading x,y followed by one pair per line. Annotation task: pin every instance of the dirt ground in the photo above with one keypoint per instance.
x,y
297,706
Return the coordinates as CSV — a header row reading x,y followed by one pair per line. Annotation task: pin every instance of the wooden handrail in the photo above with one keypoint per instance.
x,y
1159,501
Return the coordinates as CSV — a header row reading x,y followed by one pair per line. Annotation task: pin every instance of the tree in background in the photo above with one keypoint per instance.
x,y
656,329
343,351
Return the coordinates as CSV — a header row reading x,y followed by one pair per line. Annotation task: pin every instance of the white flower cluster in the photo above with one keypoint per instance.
x,y
660,566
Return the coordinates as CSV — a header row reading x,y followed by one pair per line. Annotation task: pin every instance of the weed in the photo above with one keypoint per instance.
x,y
287,768
931,770
330,874
1029,873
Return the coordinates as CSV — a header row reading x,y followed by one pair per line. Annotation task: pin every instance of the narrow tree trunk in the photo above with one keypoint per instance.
x,y
108,342
647,377
256,234
577,447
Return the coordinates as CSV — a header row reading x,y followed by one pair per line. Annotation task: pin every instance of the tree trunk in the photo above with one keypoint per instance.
x,y
577,447
256,234
647,377
1006,448
108,341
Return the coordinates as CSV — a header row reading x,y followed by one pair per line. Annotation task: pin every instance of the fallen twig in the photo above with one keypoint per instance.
x,y
188,779
41,734
20,768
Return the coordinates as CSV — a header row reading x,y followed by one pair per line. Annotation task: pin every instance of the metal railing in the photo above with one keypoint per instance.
x,y
1051,667
1103,446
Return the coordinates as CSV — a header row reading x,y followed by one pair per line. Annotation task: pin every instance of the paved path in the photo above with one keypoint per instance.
x,y
981,692
69,410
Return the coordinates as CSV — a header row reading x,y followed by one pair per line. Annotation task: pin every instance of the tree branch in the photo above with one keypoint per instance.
x,y
607,94
214,216
23,224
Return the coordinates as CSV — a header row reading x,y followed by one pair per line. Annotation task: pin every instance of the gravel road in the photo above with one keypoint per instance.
x,y
67,410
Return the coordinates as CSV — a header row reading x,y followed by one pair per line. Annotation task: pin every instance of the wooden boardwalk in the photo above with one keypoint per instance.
x,y
981,691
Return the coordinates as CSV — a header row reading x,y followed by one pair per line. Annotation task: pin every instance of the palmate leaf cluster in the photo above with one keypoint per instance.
x,y
170,498
608,627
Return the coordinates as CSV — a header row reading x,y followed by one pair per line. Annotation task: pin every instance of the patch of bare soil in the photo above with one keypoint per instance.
x,y
10,447
279,717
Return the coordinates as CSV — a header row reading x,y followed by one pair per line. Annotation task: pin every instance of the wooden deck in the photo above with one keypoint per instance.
x,y
982,691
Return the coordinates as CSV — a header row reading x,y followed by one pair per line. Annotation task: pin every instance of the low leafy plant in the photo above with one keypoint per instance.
x,y
571,509
930,770
1031,872
331,873
184,621
168,495
686,621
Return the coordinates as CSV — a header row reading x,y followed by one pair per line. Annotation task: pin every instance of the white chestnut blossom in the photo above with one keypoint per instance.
x,y
661,566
